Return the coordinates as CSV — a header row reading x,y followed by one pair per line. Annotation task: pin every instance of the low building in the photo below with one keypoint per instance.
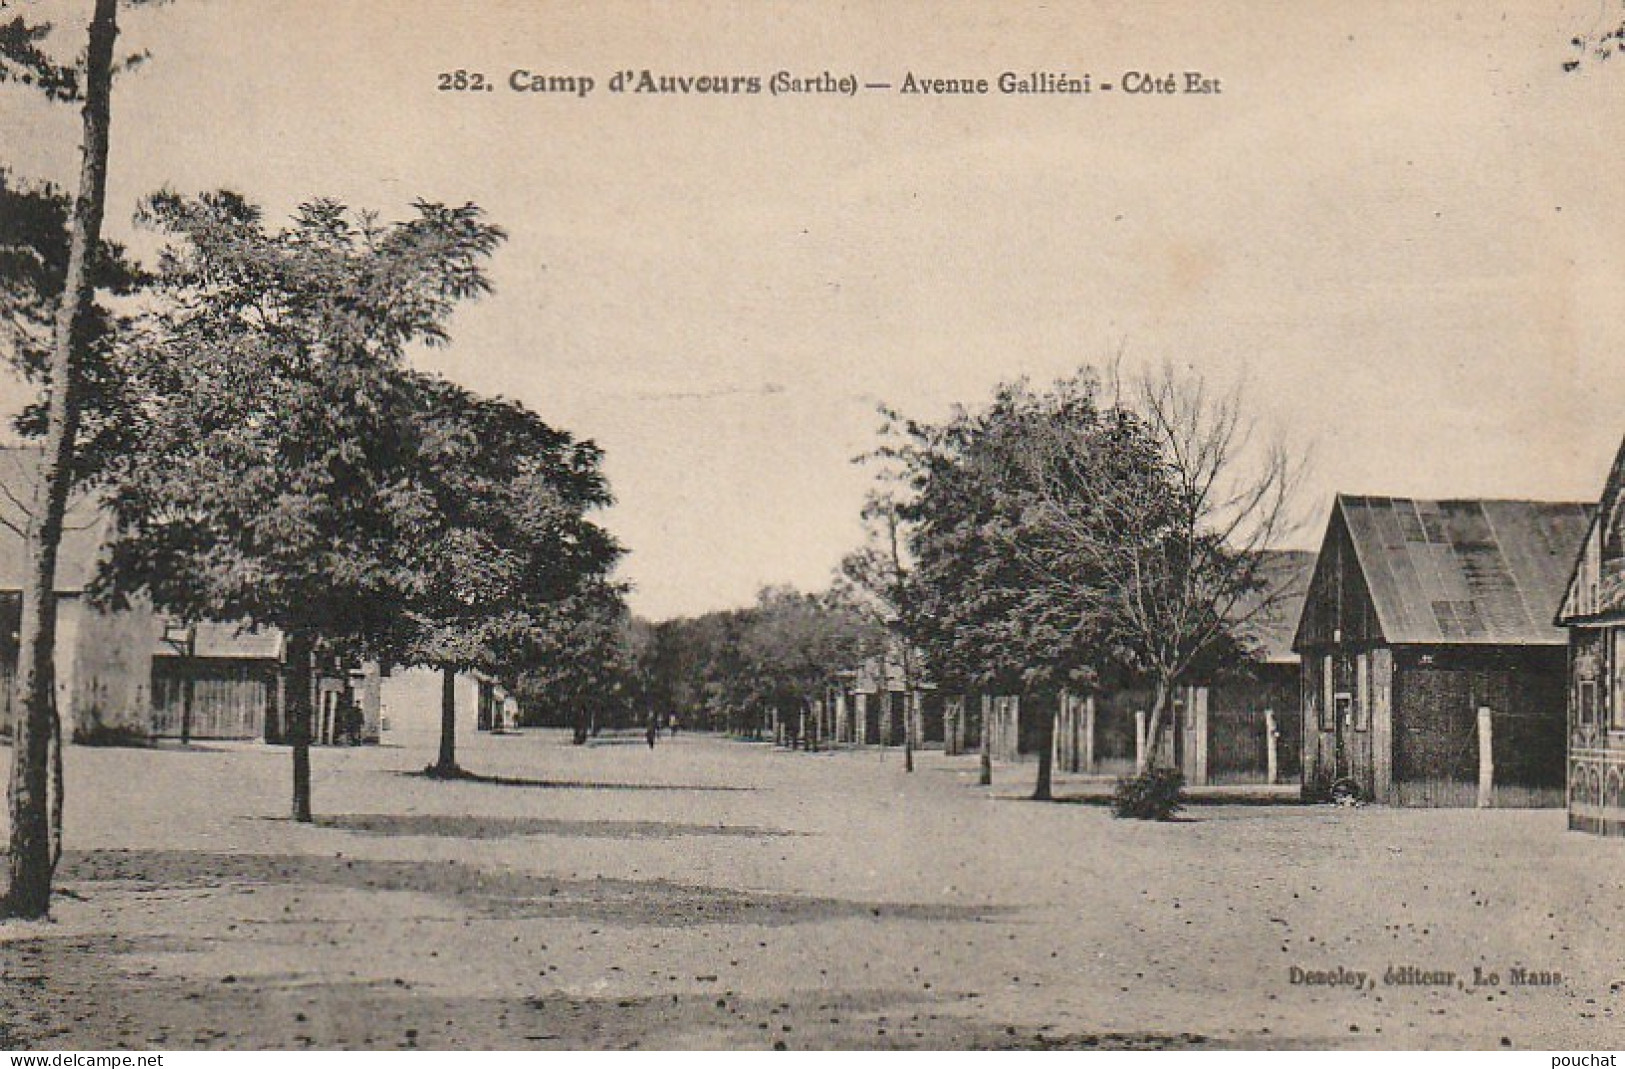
x,y
128,674
216,681
1433,673
409,702
103,655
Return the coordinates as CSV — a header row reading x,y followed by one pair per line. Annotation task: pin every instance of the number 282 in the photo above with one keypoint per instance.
x,y
460,80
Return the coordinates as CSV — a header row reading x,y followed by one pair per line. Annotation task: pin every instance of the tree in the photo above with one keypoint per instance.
x,y
35,243
276,477
507,538
581,658
796,647
989,616
881,582
1174,540
697,667
31,861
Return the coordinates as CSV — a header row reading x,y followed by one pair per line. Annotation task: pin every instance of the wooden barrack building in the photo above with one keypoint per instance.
x,y
1433,673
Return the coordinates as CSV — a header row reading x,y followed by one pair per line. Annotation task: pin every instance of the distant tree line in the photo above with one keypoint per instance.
x,y
732,670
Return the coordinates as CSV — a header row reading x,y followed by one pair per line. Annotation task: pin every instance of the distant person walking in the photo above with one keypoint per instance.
x,y
671,722
653,732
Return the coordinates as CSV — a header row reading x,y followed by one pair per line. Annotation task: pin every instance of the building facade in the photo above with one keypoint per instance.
x,y
1432,671
1593,611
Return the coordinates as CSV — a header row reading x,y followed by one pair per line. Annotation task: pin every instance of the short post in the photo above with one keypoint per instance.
x,y
1270,738
1139,740
985,776
1486,759
1088,757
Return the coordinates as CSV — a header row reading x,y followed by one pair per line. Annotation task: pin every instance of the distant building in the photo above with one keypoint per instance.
x,y
129,675
410,699
1593,611
217,681
1433,673
103,656
875,707
1238,725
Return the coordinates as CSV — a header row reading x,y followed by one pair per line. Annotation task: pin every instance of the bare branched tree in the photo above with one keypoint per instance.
x,y
1181,561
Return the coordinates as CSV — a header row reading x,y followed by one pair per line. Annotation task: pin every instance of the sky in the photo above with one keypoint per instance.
x,y
1399,225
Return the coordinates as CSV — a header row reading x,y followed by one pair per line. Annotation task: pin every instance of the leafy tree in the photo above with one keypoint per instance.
x,y
697,667
21,58
582,659
997,611
796,646
35,240
1062,540
276,478
506,542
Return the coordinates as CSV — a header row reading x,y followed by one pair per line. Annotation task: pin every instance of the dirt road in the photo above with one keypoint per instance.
x,y
721,894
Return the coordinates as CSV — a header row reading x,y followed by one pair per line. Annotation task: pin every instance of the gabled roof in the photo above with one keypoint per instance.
x,y
1468,571
1270,629
84,530
1596,586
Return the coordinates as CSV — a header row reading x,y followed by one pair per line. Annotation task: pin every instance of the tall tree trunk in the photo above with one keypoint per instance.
x,y
1046,746
446,765
986,761
59,788
29,893
300,685
1154,725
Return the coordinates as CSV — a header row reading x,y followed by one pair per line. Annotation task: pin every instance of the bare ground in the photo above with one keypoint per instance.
x,y
718,895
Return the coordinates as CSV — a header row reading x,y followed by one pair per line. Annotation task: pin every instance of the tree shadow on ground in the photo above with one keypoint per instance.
x,y
456,826
500,893
569,785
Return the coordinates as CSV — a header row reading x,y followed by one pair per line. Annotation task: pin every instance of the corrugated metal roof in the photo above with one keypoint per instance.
x,y
84,528
227,642
1480,572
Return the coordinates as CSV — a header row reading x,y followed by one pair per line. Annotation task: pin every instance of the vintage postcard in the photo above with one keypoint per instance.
x,y
755,525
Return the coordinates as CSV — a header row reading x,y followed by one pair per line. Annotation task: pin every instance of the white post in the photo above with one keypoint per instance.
x,y
1088,759
1270,737
1486,760
1139,740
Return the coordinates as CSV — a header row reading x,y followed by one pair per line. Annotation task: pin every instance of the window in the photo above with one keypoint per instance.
x,y
1345,708
1587,708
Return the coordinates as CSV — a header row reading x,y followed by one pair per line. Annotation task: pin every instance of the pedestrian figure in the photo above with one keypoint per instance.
x,y
671,722
653,732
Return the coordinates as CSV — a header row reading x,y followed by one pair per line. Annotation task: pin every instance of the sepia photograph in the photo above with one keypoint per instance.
x,y
864,525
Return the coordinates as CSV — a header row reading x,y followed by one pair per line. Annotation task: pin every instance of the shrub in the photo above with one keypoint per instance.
x,y
112,735
1150,795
